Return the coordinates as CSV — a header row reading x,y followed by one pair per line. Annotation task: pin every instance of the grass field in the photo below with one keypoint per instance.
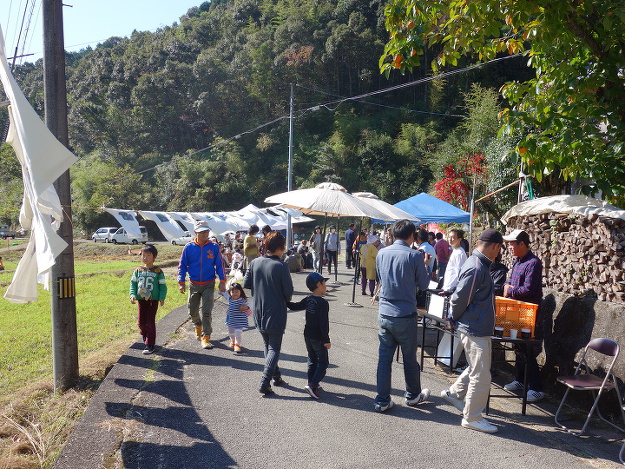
x,y
106,326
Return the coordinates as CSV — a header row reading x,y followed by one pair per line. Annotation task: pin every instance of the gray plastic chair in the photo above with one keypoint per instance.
x,y
584,380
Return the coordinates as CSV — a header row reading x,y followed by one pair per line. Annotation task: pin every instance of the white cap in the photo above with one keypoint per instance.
x,y
200,225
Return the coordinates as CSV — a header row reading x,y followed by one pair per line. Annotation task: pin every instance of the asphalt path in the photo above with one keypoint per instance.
x,y
187,407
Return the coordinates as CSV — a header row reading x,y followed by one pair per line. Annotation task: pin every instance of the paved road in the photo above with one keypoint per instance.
x,y
188,407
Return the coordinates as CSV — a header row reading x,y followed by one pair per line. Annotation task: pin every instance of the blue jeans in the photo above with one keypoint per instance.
x,y
273,343
391,333
317,360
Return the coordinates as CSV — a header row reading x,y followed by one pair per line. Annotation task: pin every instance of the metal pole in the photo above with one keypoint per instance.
x,y
289,228
64,336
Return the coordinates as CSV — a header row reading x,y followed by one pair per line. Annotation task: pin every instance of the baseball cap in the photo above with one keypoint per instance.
x,y
313,279
491,235
518,235
200,225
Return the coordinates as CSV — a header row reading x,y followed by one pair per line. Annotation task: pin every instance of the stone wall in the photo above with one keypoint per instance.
x,y
583,290
581,256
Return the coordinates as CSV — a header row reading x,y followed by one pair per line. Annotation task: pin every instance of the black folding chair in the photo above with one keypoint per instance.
x,y
584,380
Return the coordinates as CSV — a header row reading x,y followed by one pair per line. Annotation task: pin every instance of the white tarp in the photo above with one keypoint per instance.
x,y
571,204
185,218
43,159
215,223
127,219
168,225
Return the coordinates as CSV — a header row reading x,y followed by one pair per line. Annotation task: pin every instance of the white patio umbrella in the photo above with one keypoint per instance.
x,y
330,202
390,210
328,199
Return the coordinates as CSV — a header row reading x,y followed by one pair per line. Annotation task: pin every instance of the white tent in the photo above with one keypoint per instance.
x,y
165,222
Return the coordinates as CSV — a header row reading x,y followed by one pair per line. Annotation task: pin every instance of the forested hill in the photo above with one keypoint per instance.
x,y
139,106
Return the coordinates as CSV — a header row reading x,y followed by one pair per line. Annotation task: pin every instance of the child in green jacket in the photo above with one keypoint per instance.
x,y
147,286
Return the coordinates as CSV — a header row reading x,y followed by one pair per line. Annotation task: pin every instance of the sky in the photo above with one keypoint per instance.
x,y
89,22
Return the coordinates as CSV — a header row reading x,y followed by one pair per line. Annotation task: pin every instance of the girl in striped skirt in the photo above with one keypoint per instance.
x,y
236,317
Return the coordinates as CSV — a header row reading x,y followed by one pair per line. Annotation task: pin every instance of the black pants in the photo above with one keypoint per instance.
x,y
332,257
349,258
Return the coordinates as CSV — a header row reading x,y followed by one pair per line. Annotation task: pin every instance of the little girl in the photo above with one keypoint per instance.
x,y
236,317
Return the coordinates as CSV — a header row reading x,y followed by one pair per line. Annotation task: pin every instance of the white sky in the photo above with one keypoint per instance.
x,y
89,22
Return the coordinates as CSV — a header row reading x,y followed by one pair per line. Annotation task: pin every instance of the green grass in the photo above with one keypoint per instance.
x,y
104,315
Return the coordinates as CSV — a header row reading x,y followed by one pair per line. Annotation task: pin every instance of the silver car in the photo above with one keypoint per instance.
x,y
104,234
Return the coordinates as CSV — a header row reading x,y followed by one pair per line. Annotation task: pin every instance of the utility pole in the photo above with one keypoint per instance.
x,y
63,288
289,228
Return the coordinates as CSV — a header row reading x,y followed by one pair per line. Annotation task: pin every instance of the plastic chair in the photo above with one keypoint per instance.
x,y
587,381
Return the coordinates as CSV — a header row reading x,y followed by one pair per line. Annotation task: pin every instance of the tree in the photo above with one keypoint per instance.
x,y
572,112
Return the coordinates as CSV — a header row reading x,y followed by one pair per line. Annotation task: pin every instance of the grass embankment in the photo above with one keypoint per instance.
x,y
35,422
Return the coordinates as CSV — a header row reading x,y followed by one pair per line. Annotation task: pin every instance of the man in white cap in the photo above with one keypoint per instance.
x,y
472,310
201,259
526,284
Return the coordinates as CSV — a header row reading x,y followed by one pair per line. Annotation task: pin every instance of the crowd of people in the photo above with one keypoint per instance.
x,y
395,265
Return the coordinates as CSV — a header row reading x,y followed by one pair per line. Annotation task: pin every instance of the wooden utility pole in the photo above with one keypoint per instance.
x,y
63,288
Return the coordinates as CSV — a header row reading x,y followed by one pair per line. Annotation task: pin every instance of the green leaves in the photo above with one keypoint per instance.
x,y
575,105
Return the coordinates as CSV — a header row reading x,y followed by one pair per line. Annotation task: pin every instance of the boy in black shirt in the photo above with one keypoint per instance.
x,y
316,331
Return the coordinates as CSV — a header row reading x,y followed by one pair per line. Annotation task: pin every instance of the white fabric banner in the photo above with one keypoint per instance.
x,y
168,225
185,218
127,219
43,159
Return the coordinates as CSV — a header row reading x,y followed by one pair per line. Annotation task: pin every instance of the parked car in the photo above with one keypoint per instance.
x,y
182,240
104,234
123,237
6,232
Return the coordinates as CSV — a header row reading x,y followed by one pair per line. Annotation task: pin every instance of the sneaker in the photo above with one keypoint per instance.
x,y
423,395
513,386
457,403
280,382
312,391
383,407
237,348
206,342
266,390
231,344
149,349
198,332
480,425
535,396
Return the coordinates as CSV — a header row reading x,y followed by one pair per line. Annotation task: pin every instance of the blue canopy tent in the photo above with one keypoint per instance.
x,y
429,209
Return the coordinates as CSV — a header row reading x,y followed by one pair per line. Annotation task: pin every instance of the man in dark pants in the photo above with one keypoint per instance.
x,y
401,271
350,237
526,284
270,281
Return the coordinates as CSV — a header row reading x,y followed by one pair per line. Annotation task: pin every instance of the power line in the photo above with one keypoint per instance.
x,y
317,107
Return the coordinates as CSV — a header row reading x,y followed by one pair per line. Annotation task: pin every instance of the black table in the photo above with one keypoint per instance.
x,y
507,344
439,325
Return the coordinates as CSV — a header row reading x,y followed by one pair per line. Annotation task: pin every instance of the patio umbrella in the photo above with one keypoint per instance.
x,y
330,202
328,199
394,212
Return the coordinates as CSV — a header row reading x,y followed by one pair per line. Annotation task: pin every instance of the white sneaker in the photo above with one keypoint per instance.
x,y
422,397
457,403
535,396
513,386
480,425
383,407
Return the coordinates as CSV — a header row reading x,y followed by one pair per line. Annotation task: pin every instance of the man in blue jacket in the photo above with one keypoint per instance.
x,y
472,310
201,259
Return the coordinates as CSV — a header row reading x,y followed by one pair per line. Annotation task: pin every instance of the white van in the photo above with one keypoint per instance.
x,y
123,237
104,234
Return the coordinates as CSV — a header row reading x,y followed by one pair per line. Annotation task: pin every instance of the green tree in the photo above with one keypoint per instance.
x,y
572,112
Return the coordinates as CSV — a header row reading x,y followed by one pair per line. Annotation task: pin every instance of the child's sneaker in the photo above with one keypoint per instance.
x,y
237,348
149,349
231,344
312,391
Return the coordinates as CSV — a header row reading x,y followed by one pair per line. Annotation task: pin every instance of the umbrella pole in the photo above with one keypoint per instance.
x,y
353,303
338,248
323,243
